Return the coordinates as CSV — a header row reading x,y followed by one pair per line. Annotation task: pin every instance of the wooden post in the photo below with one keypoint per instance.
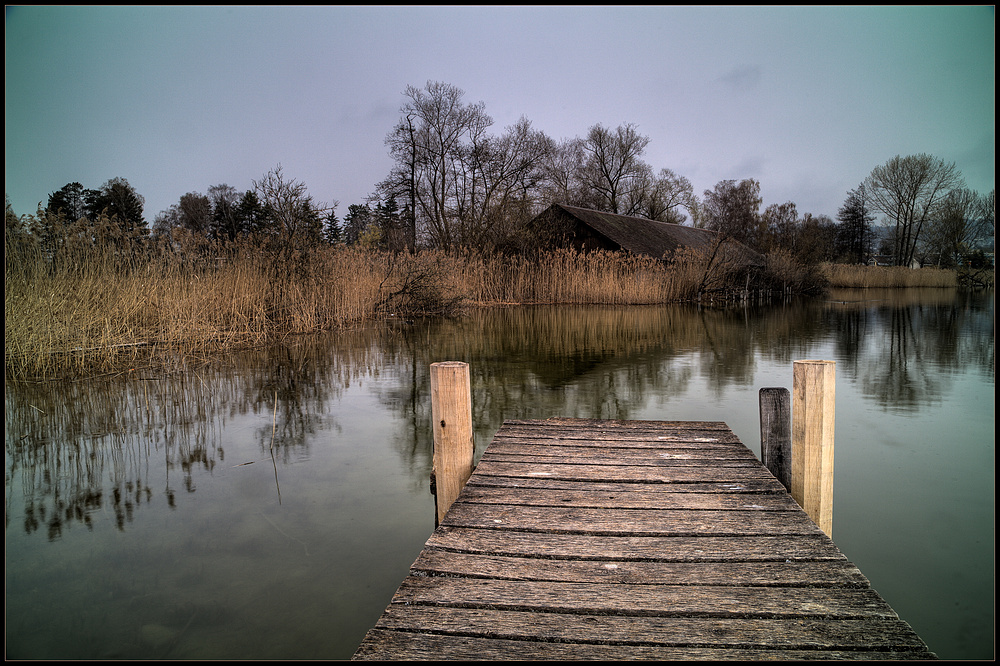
x,y
812,439
776,433
451,412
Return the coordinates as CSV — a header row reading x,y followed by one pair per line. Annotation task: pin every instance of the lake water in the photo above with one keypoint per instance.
x,y
267,505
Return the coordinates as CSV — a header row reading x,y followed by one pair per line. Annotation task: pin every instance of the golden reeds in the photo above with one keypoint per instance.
x,y
98,315
564,276
889,277
105,309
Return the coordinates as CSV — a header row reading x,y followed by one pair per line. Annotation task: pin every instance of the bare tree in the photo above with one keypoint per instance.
x,y
962,217
225,212
989,213
733,209
195,212
431,156
294,220
697,211
664,196
854,235
815,239
562,175
906,190
605,172
780,226
614,170
505,171
166,221
461,185
402,180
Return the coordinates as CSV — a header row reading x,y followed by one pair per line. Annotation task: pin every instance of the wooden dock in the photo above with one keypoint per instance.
x,y
584,539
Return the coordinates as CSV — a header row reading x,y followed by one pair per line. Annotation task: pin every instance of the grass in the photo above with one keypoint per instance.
x,y
887,277
100,310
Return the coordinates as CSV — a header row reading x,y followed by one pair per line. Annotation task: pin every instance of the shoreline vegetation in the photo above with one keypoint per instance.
x,y
109,311
91,289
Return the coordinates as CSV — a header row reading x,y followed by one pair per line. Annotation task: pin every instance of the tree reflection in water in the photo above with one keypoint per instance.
x,y
80,447
107,546
84,446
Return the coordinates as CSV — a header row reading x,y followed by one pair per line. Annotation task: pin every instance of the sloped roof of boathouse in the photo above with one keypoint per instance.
x,y
586,228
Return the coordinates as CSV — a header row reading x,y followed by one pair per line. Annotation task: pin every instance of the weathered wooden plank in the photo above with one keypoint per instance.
x,y
624,498
586,539
617,460
632,473
625,438
629,599
707,548
620,437
382,645
745,574
755,486
664,522
618,456
615,425
709,441
586,448
784,633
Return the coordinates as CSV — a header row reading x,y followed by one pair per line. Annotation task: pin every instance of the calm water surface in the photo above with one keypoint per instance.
x,y
268,506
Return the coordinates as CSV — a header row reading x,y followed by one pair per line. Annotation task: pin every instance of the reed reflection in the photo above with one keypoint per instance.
x,y
903,349
594,362
74,449
78,448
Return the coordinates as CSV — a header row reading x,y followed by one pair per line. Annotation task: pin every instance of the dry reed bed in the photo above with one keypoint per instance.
x,y
889,277
97,312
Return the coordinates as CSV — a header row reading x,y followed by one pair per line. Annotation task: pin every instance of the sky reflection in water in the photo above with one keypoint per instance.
x,y
183,516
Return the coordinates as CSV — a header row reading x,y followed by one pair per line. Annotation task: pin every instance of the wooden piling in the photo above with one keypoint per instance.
x,y
812,439
776,433
451,412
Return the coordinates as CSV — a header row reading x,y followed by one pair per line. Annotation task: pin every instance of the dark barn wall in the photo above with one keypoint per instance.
x,y
555,228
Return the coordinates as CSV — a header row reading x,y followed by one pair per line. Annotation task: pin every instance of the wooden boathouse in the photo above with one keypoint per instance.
x,y
589,539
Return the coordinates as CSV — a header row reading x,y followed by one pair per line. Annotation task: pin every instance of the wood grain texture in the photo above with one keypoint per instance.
x,y
451,415
813,420
776,433
578,539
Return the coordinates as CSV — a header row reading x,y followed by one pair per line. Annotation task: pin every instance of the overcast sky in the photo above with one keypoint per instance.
x,y
805,100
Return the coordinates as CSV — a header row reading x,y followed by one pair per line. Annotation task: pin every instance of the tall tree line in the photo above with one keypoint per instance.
x,y
930,215
78,217
276,209
461,186
116,199
456,183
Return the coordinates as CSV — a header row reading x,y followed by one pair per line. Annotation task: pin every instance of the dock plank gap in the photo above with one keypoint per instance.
x,y
580,539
